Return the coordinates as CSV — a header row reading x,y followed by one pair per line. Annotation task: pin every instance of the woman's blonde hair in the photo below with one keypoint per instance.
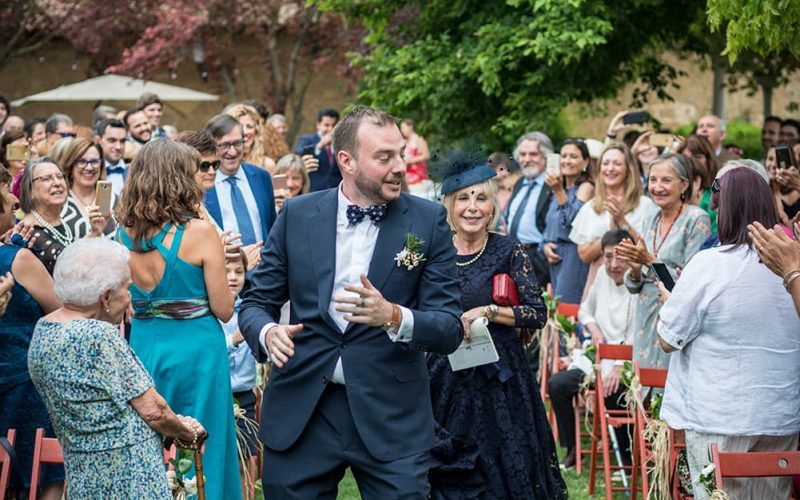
x,y
293,163
160,188
73,152
256,153
633,186
489,187
274,145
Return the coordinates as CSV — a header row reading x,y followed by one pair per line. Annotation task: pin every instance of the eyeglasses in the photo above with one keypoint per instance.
x,y
205,166
67,134
49,179
224,146
715,186
83,163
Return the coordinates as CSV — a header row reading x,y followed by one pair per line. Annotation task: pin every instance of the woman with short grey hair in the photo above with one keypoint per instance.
x,y
102,402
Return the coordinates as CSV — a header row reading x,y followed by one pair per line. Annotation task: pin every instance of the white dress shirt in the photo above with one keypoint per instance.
x,y
226,207
117,180
354,248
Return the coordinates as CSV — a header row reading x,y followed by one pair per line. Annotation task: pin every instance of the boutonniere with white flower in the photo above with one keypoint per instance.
x,y
411,255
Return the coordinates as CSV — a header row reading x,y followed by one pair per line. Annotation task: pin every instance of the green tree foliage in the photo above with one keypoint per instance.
x,y
469,67
763,26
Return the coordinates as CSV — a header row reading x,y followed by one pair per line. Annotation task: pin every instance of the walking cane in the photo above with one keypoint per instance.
x,y
198,474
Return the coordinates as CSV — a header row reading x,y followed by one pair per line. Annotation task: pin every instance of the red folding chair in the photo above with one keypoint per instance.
x,y
603,417
552,359
5,463
579,404
45,451
754,464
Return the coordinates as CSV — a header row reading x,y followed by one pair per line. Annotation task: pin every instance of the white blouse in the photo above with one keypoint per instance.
x,y
589,226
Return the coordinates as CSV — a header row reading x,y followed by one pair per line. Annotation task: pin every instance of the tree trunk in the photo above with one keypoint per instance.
x,y
766,99
230,88
720,68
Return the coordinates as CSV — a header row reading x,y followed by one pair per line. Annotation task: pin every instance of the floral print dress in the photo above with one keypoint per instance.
x,y
87,375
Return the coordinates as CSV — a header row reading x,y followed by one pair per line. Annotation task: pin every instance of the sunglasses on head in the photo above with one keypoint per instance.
x,y
205,166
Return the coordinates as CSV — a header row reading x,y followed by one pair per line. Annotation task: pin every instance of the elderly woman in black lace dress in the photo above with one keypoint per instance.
x,y
494,438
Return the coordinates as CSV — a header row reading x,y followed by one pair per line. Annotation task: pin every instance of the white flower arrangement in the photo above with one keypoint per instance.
x,y
411,255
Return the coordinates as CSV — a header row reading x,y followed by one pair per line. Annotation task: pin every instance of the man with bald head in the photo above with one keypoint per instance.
x,y
14,123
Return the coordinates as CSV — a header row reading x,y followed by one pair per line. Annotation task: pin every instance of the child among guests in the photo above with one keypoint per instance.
x,y
243,366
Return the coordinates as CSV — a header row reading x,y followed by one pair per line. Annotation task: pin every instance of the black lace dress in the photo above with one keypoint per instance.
x,y
494,440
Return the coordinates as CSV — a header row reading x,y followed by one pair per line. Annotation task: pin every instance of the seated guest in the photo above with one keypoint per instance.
x,y
105,410
606,314
732,330
319,144
29,296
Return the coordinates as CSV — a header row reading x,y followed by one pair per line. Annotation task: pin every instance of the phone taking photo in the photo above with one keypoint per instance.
x,y
553,163
16,152
102,197
635,117
661,140
278,182
784,157
662,273
308,150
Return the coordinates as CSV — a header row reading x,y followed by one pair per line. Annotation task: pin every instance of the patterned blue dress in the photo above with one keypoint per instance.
x,y
494,440
569,275
21,407
182,345
87,375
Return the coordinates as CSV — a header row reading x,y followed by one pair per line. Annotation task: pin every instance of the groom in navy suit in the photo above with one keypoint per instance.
x,y
349,386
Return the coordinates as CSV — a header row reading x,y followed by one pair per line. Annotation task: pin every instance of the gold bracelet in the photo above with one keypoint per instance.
x,y
789,278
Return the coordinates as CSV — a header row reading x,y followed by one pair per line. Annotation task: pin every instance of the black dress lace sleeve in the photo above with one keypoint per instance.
x,y
531,313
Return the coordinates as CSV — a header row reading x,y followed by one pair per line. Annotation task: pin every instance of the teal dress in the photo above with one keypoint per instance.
x,y
182,345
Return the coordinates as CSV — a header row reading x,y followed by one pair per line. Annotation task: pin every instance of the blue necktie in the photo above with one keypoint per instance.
x,y
241,213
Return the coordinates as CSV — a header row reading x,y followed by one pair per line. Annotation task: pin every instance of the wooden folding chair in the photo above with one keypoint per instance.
x,y
579,405
552,359
754,464
604,417
5,463
45,451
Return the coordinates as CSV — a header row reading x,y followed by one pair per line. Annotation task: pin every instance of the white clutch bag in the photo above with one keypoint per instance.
x,y
480,351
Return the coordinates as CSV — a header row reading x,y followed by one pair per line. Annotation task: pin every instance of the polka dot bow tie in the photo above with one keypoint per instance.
x,y
356,214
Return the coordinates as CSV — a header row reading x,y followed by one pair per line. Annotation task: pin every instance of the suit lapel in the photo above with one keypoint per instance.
x,y
322,236
391,239
212,206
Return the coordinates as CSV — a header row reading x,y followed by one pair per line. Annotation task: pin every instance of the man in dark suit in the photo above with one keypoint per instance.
x,y
349,385
319,144
527,208
242,199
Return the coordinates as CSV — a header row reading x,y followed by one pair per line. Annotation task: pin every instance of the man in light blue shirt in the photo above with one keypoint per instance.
x,y
530,200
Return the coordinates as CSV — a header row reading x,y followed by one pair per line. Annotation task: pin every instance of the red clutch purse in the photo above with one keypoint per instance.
x,y
504,290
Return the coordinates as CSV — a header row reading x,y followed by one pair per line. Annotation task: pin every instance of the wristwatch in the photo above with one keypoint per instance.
x,y
492,311
394,323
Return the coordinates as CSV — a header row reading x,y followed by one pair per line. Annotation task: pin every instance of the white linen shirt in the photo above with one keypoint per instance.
x,y
354,248
226,206
737,370
117,180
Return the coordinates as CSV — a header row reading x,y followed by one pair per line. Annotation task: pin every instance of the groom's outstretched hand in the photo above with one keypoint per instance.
x,y
279,342
368,307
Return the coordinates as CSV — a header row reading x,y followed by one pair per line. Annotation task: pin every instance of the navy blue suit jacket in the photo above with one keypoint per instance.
x,y
327,175
261,185
387,382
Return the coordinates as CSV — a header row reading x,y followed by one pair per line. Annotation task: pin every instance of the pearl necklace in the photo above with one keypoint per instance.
x,y
64,239
474,259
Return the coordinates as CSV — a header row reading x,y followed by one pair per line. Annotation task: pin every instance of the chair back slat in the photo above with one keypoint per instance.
x,y
5,463
45,451
615,351
755,463
568,310
651,377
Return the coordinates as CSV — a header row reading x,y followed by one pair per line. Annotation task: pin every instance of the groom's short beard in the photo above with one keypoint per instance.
x,y
372,189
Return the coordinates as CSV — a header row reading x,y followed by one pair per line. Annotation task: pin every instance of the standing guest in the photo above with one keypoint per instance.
x,y
278,121
770,132
43,194
508,174
493,413
644,153
35,130
242,369
790,131
787,196
153,108
178,292
31,296
527,209
14,123
705,163
241,200
320,144
607,315
82,165
275,145
139,129
57,127
261,108
715,129
730,383
297,183
206,173
253,129
103,112
672,236
350,368
571,189
14,166
106,413
618,203
111,138
417,153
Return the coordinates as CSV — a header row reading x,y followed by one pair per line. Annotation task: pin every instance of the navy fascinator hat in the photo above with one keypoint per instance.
x,y
459,168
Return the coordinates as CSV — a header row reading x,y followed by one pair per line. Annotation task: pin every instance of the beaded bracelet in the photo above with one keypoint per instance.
x,y
188,446
790,276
